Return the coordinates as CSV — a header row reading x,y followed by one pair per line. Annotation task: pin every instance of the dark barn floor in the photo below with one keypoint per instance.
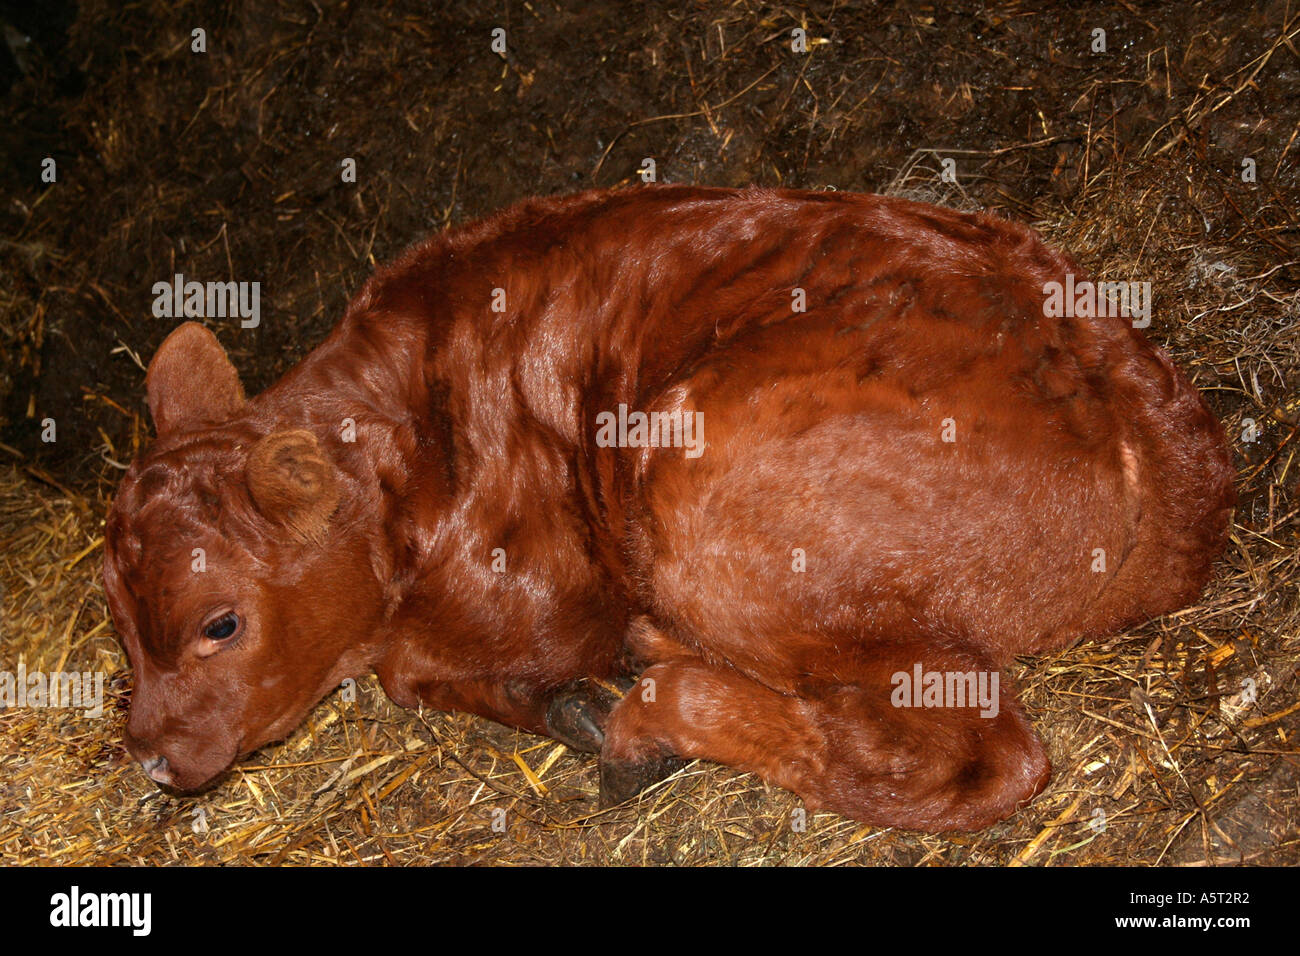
x,y
225,164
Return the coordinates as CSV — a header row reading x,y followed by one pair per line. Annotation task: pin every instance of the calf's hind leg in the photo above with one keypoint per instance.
x,y
842,747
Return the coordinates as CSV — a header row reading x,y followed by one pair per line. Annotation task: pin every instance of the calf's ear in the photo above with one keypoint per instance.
x,y
293,483
191,382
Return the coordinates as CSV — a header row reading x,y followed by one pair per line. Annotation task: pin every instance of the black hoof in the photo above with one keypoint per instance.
x,y
620,781
576,717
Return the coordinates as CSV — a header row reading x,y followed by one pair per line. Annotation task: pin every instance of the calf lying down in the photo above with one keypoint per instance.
x,y
776,479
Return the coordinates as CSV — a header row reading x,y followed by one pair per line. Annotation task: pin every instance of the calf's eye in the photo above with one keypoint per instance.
x,y
222,628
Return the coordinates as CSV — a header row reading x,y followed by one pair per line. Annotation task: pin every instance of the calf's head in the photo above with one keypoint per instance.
x,y
236,579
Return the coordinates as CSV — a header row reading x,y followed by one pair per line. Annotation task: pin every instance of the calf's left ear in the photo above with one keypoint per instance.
x,y
293,483
191,382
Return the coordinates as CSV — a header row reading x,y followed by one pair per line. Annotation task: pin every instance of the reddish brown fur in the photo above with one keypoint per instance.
x,y
475,430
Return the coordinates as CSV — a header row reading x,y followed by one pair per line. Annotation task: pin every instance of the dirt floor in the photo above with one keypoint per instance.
x,y
1169,157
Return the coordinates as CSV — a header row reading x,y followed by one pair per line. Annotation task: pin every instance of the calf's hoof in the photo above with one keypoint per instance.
x,y
621,780
577,714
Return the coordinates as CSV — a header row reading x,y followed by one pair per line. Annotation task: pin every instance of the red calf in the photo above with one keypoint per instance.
x,y
812,466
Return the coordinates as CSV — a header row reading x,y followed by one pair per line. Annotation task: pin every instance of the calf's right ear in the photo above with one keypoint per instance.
x,y
293,482
191,382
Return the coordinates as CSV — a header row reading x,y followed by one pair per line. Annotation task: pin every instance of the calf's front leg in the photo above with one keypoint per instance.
x,y
573,712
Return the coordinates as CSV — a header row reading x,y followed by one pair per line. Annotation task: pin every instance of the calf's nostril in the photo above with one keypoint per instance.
x,y
157,768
